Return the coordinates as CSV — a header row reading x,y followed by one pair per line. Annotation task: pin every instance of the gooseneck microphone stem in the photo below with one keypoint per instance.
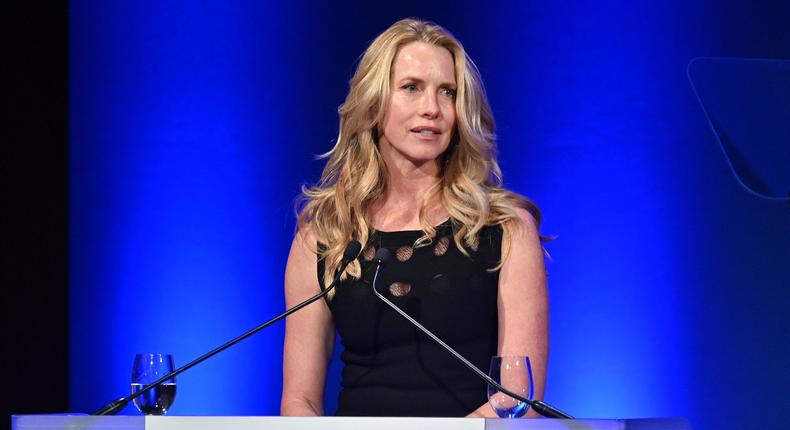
x,y
544,409
112,408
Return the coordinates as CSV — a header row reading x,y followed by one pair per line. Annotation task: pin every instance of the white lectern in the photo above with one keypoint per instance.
x,y
83,422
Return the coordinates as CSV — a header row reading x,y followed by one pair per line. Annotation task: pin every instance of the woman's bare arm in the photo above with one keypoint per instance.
x,y
309,333
523,306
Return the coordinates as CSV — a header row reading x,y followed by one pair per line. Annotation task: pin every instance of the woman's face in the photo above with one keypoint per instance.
x,y
420,117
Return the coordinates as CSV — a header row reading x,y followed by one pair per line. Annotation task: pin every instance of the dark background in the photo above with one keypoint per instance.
x,y
35,209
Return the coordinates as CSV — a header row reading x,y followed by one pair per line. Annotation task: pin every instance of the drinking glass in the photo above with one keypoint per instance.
x,y
515,374
147,368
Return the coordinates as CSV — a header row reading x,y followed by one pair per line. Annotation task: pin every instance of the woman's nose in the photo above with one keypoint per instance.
x,y
430,106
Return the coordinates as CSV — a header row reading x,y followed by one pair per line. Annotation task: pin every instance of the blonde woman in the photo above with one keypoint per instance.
x,y
414,171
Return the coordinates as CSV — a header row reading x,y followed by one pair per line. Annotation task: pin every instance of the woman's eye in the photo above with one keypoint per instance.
x,y
449,92
410,87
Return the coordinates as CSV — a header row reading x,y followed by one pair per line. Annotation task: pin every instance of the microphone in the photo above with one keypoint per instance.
x,y
548,411
349,254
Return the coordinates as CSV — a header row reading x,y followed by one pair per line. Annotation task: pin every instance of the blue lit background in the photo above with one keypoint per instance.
x,y
194,124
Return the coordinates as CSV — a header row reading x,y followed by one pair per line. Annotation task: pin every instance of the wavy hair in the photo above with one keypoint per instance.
x,y
337,209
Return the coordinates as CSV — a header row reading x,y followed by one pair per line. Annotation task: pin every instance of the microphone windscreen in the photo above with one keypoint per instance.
x,y
382,256
352,250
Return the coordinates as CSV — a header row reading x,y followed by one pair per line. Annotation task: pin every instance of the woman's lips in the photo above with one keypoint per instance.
x,y
426,131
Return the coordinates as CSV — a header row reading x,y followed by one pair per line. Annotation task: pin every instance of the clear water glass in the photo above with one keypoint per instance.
x,y
515,374
147,368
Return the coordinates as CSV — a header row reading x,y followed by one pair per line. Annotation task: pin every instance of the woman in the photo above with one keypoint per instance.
x,y
414,170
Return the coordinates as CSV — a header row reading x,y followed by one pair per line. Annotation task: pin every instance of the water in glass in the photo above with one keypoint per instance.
x,y
147,368
515,374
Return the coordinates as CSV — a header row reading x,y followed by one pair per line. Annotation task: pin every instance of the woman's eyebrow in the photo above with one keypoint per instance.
x,y
416,80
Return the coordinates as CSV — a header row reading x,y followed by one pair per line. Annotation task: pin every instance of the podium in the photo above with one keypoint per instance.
x,y
85,422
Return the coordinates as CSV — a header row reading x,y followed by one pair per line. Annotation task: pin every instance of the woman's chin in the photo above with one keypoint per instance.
x,y
422,162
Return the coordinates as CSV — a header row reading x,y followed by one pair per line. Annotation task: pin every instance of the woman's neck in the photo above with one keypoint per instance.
x,y
407,187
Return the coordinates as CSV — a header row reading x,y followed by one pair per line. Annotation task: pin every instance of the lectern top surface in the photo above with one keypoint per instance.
x,y
80,422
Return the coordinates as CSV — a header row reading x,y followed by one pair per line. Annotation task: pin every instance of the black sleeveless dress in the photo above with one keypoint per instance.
x,y
390,367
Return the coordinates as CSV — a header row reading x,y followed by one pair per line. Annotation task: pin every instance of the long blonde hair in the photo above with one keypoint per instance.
x,y
337,208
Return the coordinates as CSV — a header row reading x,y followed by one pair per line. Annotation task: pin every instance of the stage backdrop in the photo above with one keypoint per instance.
x,y
194,124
